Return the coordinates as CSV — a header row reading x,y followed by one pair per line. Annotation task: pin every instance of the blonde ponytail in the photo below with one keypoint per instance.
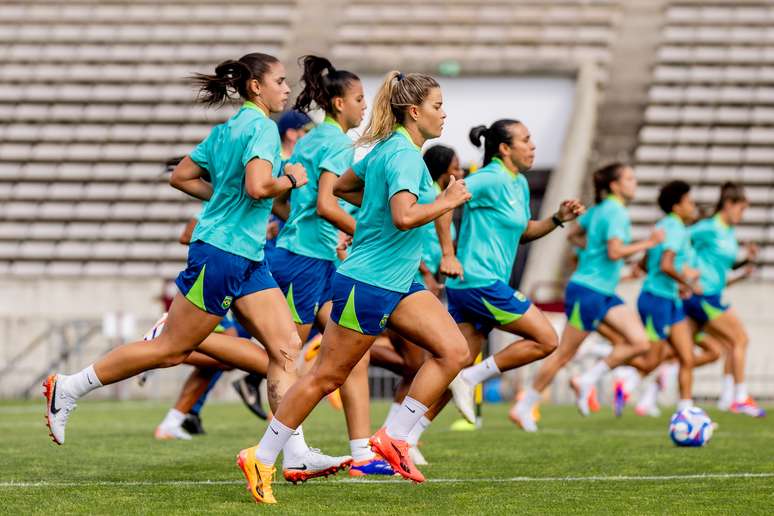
x,y
395,95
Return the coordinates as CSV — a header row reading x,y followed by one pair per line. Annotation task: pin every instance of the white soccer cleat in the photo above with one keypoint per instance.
x,y
157,328
522,414
171,433
725,401
417,457
313,464
582,393
59,405
647,410
464,398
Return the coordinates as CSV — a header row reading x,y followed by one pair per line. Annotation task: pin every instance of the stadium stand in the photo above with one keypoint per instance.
x,y
94,100
710,113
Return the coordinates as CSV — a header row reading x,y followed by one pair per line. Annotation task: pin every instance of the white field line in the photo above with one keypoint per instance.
x,y
615,478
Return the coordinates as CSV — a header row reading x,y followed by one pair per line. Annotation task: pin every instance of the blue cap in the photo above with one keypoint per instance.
x,y
292,120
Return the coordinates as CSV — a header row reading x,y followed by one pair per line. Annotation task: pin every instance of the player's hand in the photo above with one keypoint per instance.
x,y
752,251
570,210
272,230
451,266
748,270
684,292
298,171
432,284
656,237
456,193
635,271
691,274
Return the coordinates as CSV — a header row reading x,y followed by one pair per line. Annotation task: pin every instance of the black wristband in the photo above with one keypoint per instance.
x,y
557,222
293,182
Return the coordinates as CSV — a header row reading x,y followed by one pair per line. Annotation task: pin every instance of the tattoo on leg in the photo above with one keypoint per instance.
x,y
272,389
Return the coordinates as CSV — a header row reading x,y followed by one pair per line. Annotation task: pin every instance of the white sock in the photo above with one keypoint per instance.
x,y
416,432
591,376
360,449
648,398
481,372
410,412
174,418
531,396
81,383
684,404
272,442
728,386
296,445
740,392
393,409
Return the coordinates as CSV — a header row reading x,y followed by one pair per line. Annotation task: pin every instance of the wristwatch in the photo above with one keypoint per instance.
x,y
293,181
557,221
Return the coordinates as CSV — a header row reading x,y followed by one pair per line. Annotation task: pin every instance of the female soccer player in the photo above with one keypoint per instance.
x,y
494,223
590,297
304,260
225,261
716,248
373,287
669,277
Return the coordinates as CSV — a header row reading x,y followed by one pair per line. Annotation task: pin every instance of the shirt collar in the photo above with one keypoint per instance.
x,y
500,162
615,198
676,217
402,130
332,121
254,106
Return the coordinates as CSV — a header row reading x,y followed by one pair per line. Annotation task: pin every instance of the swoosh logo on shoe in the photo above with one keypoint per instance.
x,y
89,379
273,430
412,411
54,410
401,460
258,489
303,467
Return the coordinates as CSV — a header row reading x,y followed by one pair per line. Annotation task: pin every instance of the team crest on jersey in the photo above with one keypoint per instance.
x,y
383,322
226,302
521,297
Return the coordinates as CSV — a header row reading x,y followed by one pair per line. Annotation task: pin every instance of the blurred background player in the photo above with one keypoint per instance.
x,y
604,237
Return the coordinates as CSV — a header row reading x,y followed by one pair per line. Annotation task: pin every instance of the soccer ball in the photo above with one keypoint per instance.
x,y
690,427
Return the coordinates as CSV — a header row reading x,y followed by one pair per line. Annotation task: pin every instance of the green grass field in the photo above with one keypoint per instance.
x,y
111,464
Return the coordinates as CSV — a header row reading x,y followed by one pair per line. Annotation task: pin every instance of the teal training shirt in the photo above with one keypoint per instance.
x,y
232,220
325,148
676,239
492,224
716,248
381,254
603,222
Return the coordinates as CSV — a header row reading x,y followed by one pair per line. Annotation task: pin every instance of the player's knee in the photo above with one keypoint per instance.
x,y
171,353
329,381
286,353
455,355
640,346
549,343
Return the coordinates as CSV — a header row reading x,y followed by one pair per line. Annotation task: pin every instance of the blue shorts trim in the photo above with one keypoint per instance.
x,y
704,309
487,307
362,307
585,307
659,314
214,278
305,281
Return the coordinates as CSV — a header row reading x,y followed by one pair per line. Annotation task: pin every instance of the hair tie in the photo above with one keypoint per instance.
x,y
400,76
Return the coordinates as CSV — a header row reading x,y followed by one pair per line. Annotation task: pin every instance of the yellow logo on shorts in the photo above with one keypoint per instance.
x,y
521,297
383,322
226,302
